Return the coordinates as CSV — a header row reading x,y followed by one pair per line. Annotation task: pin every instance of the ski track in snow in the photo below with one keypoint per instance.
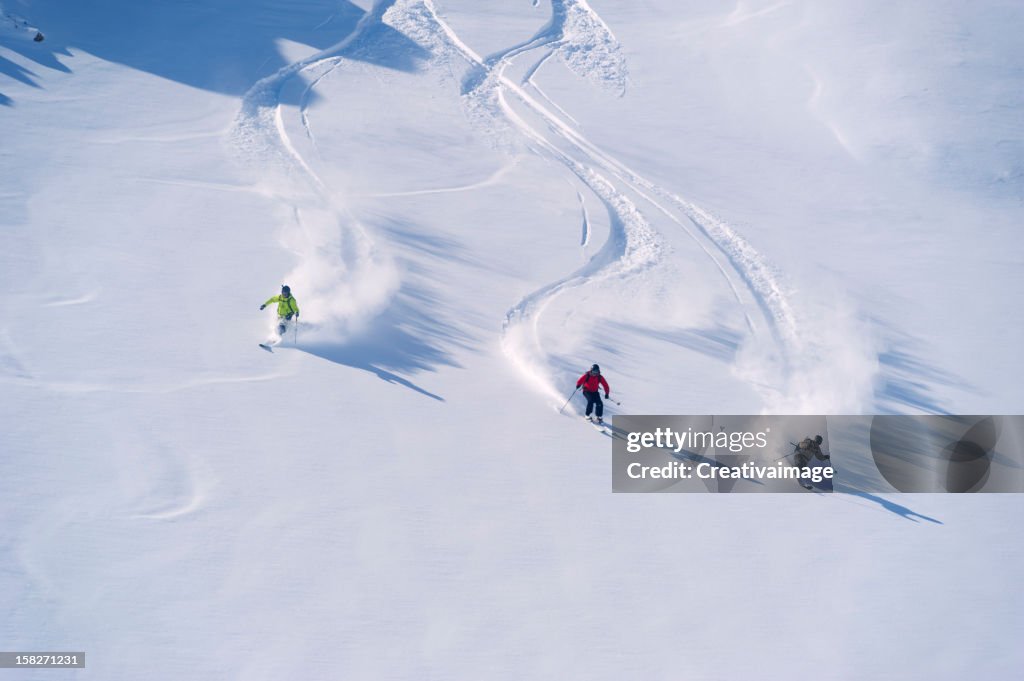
x,y
170,487
304,99
632,245
585,43
344,277
79,300
529,81
587,46
585,235
528,76
493,179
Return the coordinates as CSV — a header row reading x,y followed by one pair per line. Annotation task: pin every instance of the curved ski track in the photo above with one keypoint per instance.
x,y
587,46
259,135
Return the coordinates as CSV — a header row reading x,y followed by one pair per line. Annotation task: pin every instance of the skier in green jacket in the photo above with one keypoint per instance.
x,y
287,307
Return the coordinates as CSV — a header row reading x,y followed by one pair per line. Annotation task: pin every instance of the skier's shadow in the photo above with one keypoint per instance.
x,y
354,357
893,507
395,378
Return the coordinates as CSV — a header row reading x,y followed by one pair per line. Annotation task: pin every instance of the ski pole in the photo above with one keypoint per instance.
x,y
784,457
615,402
781,458
569,400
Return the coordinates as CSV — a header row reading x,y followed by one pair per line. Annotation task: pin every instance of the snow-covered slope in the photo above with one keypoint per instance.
x,y
762,207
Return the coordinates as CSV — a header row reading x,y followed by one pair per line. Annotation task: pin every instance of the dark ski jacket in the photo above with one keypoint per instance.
x,y
808,448
591,384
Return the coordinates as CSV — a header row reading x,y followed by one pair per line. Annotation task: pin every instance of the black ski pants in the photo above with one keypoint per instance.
x,y
594,400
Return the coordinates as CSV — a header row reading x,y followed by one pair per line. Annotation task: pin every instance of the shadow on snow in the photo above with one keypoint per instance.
x,y
417,331
892,506
404,338
221,46
906,383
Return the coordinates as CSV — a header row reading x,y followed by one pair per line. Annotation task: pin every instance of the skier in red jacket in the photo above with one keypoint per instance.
x,y
592,382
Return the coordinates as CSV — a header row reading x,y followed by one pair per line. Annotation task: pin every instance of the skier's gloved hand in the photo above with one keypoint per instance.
x,y
263,307
606,396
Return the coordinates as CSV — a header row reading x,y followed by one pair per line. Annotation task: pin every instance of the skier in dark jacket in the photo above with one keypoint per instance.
x,y
592,382
808,448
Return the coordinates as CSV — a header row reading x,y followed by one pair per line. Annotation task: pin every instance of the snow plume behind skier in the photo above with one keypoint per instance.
x,y
592,382
345,278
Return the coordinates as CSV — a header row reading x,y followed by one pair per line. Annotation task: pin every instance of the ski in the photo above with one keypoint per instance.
x,y
602,427
267,348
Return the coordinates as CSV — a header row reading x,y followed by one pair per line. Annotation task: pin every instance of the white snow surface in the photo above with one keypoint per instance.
x,y
749,207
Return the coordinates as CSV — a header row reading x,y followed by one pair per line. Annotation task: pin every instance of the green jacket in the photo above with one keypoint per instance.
x,y
285,306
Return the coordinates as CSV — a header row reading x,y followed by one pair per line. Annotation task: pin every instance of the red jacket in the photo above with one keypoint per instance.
x,y
592,383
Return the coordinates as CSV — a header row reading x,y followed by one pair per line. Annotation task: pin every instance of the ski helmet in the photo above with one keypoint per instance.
x,y
596,368
286,290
